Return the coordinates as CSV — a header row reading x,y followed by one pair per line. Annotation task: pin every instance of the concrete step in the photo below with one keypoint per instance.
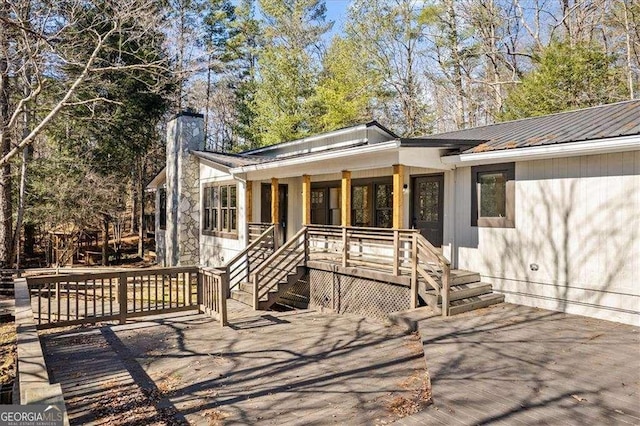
x,y
476,302
460,291
7,292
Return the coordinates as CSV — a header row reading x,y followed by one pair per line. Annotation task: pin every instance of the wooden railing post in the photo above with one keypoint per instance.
x,y
446,276
200,288
256,298
122,296
345,247
222,298
414,271
396,252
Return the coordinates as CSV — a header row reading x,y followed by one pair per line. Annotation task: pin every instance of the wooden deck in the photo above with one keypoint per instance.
x,y
512,365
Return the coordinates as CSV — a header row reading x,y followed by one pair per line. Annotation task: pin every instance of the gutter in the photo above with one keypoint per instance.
x,y
370,149
570,149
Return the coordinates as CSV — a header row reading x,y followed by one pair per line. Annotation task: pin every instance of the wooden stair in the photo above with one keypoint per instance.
x,y
244,292
6,283
467,292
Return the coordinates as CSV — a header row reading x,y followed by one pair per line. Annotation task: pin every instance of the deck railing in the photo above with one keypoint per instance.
x,y
281,263
394,251
214,290
88,298
256,229
240,267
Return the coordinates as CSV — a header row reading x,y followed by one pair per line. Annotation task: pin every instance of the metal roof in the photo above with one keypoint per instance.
x,y
605,121
230,160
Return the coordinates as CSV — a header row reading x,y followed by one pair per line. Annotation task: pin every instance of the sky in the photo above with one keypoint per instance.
x,y
337,12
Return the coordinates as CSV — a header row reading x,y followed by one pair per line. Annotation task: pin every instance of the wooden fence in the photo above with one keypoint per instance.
x,y
63,300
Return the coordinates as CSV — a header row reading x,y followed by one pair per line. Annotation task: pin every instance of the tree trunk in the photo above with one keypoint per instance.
x,y
105,241
141,230
20,216
6,206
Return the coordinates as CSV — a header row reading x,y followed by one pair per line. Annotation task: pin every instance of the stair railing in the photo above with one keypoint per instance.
x,y
429,264
281,263
239,268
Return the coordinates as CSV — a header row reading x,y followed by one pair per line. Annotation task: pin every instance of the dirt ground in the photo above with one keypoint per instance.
x,y
7,352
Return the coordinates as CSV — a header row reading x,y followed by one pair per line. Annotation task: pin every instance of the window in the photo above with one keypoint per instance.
x,y
162,194
372,203
493,196
220,209
325,204
360,206
384,205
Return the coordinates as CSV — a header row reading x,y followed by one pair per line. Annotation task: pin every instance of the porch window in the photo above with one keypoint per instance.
x,y
361,210
325,204
372,203
162,194
220,205
493,196
384,205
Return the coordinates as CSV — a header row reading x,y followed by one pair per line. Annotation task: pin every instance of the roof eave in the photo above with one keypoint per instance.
x,y
569,149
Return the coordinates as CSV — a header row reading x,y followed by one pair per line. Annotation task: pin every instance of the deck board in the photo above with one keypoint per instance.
x,y
513,364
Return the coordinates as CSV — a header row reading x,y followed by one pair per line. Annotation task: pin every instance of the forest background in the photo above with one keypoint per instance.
x,y
87,85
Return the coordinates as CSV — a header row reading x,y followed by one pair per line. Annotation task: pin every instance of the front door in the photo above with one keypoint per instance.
x,y
427,207
265,206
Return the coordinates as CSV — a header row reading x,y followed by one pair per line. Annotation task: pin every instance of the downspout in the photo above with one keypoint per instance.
x,y
454,246
246,224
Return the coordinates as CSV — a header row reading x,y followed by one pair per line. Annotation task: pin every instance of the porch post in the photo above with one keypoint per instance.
x,y
275,201
345,206
275,213
249,201
306,200
398,196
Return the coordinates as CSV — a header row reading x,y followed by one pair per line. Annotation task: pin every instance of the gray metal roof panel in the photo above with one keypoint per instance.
x,y
605,121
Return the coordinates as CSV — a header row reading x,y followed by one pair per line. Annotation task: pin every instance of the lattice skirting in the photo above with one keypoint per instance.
x,y
349,294
297,295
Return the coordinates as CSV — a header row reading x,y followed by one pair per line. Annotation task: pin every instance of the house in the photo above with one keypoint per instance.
x,y
546,210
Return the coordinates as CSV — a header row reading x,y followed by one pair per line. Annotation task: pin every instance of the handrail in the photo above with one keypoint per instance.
x,y
244,255
422,244
286,246
252,245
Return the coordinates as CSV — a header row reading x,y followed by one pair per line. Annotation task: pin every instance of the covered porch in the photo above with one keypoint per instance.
x,y
385,186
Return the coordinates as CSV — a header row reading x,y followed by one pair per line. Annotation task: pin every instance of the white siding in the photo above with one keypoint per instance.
x,y
578,219
217,251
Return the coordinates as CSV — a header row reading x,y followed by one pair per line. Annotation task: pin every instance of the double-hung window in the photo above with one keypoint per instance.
x,y
162,195
493,196
220,209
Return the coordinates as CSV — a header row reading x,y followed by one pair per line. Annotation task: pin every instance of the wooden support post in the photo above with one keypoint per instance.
x,y
122,297
275,201
396,252
256,298
398,195
222,298
249,202
345,205
275,213
345,248
306,200
446,278
414,271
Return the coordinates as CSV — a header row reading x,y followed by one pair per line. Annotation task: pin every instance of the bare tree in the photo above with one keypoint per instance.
x,y
57,48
